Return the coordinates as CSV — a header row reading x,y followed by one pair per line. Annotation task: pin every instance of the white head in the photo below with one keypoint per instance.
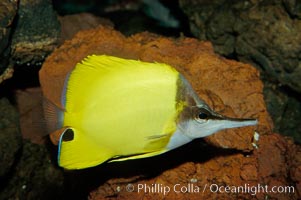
x,y
207,122
197,119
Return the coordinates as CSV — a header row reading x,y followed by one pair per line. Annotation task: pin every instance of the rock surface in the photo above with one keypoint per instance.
x,y
10,137
233,157
71,24
32,124
285,111
8,10
34,176
229,87
216,169
265,34
37,32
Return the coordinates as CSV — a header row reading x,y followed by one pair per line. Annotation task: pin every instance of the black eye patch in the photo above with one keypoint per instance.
x,y
68,135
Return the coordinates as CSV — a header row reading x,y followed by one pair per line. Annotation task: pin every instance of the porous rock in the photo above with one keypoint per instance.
x,y
8,10
267,35
275,164
36,33
10,137
71,24
32,121
263,33
34,176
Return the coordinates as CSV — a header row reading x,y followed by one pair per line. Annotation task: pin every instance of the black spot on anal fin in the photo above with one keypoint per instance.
x,y
68,135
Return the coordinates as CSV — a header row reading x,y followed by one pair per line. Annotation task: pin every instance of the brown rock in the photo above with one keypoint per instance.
x,y
278,162
255,178
10,137
271,165
293,8
229,87
71,24
33,176
37,32
8,10
7,74
264,33
32,123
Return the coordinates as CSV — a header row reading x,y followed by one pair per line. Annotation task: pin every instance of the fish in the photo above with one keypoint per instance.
x,y
115,109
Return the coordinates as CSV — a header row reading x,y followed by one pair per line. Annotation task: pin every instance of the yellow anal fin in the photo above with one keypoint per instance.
x,y
145,155
77,151
154,145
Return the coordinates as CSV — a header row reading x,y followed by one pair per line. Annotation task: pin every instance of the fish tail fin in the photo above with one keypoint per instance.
x,y
53,116
44,117
77,151
37,121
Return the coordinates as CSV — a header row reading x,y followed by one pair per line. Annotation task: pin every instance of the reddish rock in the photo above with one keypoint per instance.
x,y
32,125
274,165
71,24
229,87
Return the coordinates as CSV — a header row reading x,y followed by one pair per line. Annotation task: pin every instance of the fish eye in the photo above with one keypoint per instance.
x,y
202,115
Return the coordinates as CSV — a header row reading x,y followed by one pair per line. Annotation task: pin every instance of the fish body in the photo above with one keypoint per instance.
x,y
117,109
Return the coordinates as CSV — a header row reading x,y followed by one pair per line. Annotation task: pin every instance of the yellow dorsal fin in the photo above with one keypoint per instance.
x,y
115,76
78,152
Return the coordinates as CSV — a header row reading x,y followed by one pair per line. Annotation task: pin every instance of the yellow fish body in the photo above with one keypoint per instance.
x,y
117,109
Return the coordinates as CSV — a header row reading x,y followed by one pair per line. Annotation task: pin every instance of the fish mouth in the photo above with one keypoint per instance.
x,y
232,122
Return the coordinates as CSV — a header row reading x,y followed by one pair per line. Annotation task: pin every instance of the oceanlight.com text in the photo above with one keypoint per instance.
x,y
253,190
213,188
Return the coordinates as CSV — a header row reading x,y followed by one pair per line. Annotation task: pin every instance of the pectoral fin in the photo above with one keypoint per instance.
x,y
77,151
156,142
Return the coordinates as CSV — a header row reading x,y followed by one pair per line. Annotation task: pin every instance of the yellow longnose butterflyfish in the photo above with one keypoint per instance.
x,y
117,109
